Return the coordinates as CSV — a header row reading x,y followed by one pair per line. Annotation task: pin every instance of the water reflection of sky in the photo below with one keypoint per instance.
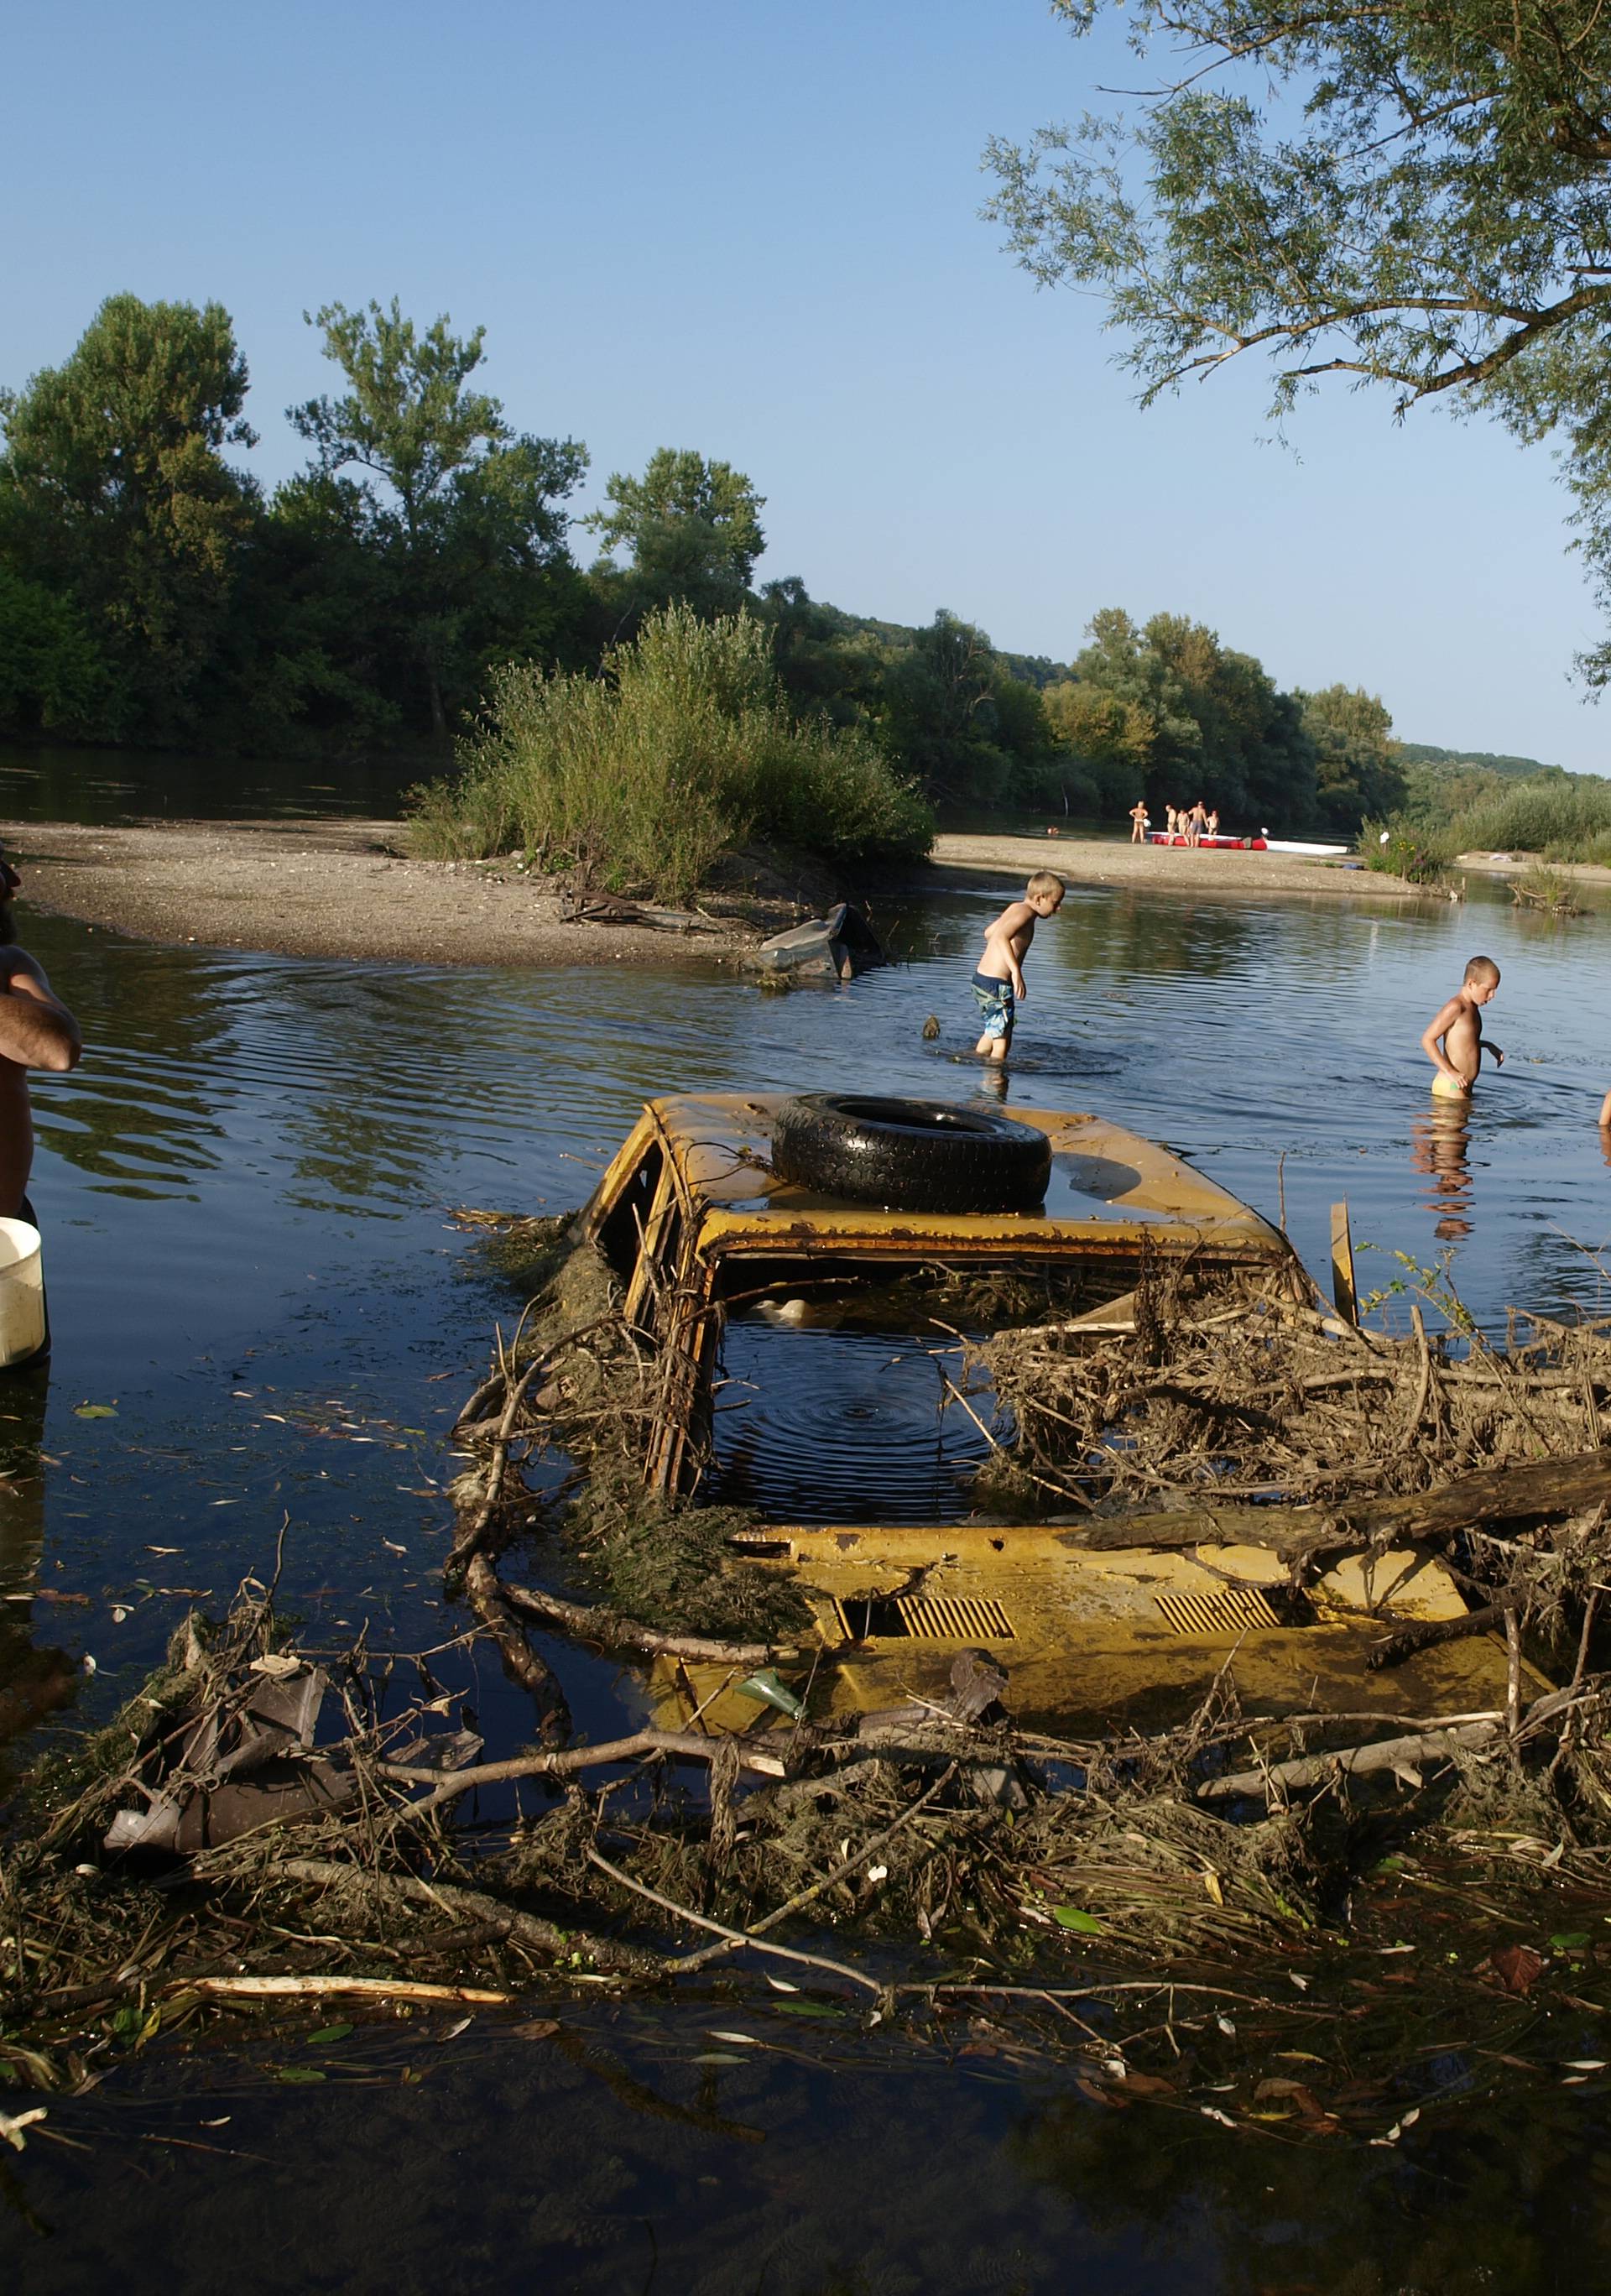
x,y
244,1190
245,1185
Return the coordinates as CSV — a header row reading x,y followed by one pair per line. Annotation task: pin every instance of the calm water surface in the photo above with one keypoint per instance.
x,y
245,1191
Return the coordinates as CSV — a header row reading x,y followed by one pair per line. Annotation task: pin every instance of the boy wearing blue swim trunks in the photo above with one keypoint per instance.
x,y
998,984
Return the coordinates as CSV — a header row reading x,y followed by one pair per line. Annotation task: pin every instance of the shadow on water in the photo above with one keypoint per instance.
x,y
259,1297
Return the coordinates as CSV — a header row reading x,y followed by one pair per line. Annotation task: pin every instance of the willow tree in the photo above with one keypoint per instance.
x,y
1409,193
453,501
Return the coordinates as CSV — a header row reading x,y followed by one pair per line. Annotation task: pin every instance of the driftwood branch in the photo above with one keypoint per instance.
x,y
1398,1647
736,1938
1541,1488
560,1762
316,1989
593,1623
485,1592
474,1905
1353,1761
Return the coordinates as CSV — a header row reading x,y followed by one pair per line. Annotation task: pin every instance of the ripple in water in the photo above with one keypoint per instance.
x,y
845,1426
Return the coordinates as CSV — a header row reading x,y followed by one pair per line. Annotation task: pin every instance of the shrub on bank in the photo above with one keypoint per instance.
x,y
684,747
1563,824
1405,848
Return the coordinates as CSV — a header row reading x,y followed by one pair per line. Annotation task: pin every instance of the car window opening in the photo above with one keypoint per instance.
x,y
843,1391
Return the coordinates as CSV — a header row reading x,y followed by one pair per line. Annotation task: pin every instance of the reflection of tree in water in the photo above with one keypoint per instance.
x,y
1135,937
34,1680
1467,2208
1440,1147
141,1115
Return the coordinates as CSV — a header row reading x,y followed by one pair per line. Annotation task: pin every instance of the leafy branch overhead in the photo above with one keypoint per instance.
x,y
1410,193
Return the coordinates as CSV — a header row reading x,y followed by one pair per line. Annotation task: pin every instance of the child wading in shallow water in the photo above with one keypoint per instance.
x,y
1454,1038
998,984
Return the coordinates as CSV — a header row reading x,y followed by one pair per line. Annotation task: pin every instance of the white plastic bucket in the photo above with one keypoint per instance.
x,y
21,1291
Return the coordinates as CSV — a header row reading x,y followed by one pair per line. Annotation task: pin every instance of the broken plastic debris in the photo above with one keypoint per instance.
x,y
769,1689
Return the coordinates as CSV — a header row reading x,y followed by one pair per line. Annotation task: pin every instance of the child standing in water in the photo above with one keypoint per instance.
x,y
998,984
1453,1037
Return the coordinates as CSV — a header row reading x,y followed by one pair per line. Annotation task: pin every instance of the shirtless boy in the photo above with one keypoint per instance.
x,y
1453,1040
998,984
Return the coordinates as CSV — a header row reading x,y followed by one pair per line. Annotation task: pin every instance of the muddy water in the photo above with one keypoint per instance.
x,y
245,1191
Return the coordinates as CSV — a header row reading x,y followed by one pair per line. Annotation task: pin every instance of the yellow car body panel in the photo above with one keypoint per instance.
x,y
1092,1640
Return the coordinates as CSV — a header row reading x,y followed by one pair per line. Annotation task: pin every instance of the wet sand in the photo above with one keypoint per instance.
x,y
346,888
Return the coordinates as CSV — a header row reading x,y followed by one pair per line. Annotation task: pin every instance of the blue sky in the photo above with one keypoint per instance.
x,y
754,230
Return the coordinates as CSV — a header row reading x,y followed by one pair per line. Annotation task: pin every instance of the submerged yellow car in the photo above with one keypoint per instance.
x,y
806,1274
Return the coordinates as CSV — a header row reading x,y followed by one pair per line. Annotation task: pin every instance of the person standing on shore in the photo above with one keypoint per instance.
x,y
1138,823
37,1031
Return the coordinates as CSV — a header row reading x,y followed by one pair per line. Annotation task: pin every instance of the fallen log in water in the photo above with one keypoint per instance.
x,y
1396,1754
1540,1489
595,1623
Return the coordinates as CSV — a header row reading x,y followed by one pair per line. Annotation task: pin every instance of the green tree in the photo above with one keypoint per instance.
x,y
1219,729
51,676
1109,737
693,529
461,512
1358,772
938,715
115,494
1410,193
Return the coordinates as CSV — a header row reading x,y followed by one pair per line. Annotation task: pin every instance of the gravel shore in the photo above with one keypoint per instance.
x,y
346,888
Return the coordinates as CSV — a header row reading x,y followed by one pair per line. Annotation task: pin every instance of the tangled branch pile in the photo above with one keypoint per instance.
x,y
1247,1396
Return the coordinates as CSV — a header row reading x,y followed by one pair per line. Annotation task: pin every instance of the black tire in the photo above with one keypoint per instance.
x,y
911,1155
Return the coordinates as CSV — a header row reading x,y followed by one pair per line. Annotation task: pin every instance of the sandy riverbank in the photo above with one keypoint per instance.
x,y
1168,868
331,889
346,888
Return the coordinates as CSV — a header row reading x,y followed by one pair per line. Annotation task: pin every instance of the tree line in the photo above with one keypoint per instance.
x,y
152,593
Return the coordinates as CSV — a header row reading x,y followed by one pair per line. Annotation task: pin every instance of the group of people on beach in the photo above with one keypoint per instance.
x,y
1192,822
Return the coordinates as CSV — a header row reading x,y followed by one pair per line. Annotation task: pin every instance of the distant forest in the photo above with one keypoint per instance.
x,y
151,593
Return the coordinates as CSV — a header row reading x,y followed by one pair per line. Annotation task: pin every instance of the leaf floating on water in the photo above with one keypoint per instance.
x,y
536,2029
1587,2064
329,2033
1227,2026
300,2073
1517,1967
780,1984
1072,1918
747,2040
716,2057
453,2031
1213,2112
93,1411
1568,1940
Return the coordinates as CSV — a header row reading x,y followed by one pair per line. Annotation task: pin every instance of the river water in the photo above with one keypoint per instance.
x,y
257,1295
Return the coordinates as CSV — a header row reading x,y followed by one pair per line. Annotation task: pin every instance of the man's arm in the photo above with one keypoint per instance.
x,y
36,1030
1490,1046
1432,1041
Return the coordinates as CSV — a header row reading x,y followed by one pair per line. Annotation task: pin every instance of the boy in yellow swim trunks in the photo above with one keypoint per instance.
x,y
1454,1040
